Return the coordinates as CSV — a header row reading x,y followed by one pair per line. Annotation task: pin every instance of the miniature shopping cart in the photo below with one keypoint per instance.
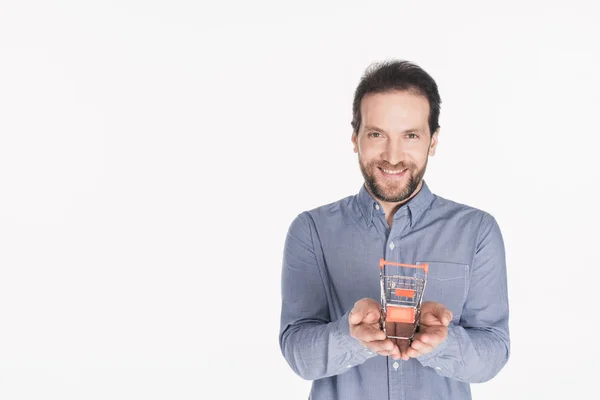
x,y
402,289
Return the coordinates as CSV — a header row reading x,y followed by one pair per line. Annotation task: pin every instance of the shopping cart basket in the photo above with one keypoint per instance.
x,y
401,295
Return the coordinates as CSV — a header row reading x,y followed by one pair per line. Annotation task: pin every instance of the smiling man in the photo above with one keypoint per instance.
x,y
330,321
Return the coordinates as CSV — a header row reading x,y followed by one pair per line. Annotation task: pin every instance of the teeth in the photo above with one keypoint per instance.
x,y
387,171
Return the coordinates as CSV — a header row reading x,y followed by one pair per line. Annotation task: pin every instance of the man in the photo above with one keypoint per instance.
x,y
330,331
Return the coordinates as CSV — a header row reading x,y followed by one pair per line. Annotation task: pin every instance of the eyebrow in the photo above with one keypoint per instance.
x,y
374,128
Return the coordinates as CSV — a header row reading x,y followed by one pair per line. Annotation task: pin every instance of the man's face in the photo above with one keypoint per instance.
x,y
394,143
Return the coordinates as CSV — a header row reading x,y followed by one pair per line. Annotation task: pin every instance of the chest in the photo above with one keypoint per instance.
x,y
351,258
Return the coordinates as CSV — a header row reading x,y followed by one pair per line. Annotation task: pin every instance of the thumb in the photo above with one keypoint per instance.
x,y
364,310
436,314
372,316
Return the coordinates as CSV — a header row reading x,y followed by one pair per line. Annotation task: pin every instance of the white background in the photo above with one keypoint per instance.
x,y
153,154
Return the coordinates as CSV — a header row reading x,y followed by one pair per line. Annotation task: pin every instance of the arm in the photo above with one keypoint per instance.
x,y
314,346
478,347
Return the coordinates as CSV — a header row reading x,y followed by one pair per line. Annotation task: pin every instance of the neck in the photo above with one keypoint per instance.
x,y
390,209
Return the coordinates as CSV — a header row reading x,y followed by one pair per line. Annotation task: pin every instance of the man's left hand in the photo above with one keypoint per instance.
x,y
433,330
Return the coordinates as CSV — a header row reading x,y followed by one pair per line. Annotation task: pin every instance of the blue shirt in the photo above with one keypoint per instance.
x,y
331,260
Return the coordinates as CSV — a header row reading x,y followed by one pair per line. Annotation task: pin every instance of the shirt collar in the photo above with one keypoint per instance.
x,y
415,207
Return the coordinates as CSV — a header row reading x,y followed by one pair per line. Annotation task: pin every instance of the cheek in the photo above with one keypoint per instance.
x,y
362,152
369,151
419,156
368,159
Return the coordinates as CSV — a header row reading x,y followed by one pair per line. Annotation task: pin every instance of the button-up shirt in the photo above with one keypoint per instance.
x,y
331,260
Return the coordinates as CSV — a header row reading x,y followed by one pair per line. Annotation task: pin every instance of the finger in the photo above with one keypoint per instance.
x,y
433,336
421,347
433,313
410,353
383,347
361,309
447,317
367,332
373,316
424,343
396,352
393,352
403,346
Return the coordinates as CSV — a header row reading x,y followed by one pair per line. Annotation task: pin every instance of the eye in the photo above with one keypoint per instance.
x,y
412,136
374,134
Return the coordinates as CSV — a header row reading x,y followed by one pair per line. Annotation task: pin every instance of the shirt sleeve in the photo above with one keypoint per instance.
x,y
314,346
478,346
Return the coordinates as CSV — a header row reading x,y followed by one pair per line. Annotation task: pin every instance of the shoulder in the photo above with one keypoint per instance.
x,y
327,213
332,209
473,219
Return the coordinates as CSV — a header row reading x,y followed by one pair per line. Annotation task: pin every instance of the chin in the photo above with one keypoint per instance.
x,y
393,191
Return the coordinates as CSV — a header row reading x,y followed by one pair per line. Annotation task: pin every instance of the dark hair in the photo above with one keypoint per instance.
x,y
399,75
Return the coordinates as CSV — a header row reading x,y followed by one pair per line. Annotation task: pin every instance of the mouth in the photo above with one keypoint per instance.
x,y
392,173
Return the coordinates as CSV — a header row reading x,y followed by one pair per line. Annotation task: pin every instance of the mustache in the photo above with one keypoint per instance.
x,y
385,165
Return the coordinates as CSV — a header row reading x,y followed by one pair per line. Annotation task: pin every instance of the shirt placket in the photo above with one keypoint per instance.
x,y
393,252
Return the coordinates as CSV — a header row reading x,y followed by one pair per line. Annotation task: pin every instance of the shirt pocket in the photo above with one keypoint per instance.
x,y
446,284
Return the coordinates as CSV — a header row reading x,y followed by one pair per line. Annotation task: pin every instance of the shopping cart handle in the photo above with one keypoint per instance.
x,y
383,263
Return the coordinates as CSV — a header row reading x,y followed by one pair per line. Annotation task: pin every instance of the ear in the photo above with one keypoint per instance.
x,y
355,141
434,142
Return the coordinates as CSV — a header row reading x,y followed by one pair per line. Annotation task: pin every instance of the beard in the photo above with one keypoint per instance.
x,y
392,193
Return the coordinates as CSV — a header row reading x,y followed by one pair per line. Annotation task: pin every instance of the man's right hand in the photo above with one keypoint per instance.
x,y
364,326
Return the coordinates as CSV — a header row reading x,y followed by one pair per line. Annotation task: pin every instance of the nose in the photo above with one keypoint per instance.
x,y
393,152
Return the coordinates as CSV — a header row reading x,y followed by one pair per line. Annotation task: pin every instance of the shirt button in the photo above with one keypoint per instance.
x,y
392,246
438,369
395,365
348,366
377,206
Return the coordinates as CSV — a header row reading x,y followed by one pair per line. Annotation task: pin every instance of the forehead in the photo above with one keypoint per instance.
x,y
395,110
